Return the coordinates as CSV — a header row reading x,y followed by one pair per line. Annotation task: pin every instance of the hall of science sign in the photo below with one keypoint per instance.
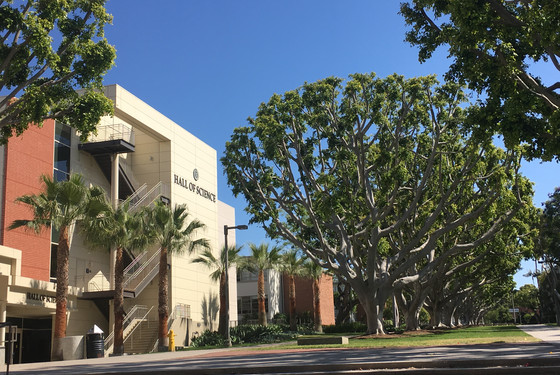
x,y
194,187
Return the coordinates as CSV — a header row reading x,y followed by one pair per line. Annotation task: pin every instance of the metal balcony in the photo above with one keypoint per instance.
x,y
110,139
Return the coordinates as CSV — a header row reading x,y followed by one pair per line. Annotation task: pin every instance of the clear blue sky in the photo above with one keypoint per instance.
x,y
207,64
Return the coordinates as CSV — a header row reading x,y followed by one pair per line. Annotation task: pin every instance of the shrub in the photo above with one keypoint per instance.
x,y
354,327
208,338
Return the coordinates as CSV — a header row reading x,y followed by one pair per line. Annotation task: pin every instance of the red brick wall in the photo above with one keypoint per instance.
x,y
27,158
304,297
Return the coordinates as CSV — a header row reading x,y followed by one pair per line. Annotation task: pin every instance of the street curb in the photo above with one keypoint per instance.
x,y
540,366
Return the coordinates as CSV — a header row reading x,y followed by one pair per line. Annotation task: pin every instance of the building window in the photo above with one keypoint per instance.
x,y
244,275
54,248
62,136
248,306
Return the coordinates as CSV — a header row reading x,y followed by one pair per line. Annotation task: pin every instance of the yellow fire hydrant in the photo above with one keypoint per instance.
x,y
171,336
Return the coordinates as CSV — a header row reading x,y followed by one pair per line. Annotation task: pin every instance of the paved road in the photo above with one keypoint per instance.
x,y
224,361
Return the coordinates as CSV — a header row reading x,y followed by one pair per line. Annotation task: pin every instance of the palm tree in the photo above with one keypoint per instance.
x,y
208,259
292,266
108,227
315,272
58,206
174,235
262,258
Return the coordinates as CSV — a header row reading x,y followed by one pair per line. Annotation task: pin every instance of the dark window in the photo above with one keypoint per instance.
x,y
244,275
61,157
54,249
249,305
62,137
62,133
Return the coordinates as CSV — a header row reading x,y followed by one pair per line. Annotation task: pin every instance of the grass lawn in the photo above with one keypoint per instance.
x,y
439,337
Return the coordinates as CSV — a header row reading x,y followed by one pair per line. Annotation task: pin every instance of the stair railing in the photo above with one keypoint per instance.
x,y
139,271
159,189
137,313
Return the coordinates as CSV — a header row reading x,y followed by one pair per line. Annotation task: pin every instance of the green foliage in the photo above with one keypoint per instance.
x,y
49,50
379,181
492,45
60,204
246,334
550,228
208,338
499,315
171,228
207,258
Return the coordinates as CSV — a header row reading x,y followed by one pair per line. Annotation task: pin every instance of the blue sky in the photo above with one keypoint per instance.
x,y
207,64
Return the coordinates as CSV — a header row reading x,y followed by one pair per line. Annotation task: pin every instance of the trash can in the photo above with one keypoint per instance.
x,y
95,344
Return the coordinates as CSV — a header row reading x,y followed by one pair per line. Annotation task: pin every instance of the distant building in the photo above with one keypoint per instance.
x,y
277,301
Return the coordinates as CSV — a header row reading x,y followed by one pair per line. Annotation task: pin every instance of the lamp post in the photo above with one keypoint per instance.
x,y
226,229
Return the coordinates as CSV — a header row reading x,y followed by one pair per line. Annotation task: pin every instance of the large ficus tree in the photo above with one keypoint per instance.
x,y
493,46
48,50
366,177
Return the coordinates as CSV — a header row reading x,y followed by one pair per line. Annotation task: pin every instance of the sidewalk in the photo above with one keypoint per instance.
x,y
546,333
241,360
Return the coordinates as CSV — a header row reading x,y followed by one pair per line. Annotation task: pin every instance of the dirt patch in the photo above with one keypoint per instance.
x,y
420,332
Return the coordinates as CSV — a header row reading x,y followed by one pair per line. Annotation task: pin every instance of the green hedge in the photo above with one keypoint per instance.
x,y
354,327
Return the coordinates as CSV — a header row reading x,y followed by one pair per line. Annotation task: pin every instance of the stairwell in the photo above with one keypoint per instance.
x,y
143,338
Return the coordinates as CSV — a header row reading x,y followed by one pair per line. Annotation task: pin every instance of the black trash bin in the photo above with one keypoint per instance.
x,y
95,344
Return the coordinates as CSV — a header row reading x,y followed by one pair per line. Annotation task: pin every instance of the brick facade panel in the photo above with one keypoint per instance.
x,y
304,297
27,158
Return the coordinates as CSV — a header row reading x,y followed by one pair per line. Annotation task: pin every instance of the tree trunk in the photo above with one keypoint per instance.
x,y
62,256
317,319
555,295
162,301
372,303
411,309
222,324
292,297
396,316
261,297
344,302
118,346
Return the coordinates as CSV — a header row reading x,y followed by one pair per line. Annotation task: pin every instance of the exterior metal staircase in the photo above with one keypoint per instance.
x,y
134,319
139,273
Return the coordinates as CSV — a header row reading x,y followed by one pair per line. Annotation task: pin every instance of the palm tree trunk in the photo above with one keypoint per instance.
x,y
317,319
62,256
222,324
261,296
118,347
162,301
292,297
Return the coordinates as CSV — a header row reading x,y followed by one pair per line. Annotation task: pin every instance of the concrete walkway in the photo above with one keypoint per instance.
x,y
252,361
543,332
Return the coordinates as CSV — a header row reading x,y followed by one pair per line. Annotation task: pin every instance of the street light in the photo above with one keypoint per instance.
x,y
226,229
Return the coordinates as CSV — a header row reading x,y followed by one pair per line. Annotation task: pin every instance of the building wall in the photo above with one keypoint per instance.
x,y
165,152
304,297
28,156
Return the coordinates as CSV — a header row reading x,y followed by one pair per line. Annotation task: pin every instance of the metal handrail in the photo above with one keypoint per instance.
x,y
135,197
133,314
114,131
159,189
151,263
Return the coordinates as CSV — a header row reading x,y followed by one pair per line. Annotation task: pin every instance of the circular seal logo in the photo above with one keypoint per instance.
x,y
195,174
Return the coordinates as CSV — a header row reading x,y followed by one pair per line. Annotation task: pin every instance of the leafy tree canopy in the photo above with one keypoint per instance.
x,y
493,44
368,176
49,50
550,228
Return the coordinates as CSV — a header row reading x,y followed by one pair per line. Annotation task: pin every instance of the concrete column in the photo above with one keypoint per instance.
x,y
115,202
2,337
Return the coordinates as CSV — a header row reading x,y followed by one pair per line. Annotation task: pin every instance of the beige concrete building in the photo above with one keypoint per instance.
x,y
137,154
